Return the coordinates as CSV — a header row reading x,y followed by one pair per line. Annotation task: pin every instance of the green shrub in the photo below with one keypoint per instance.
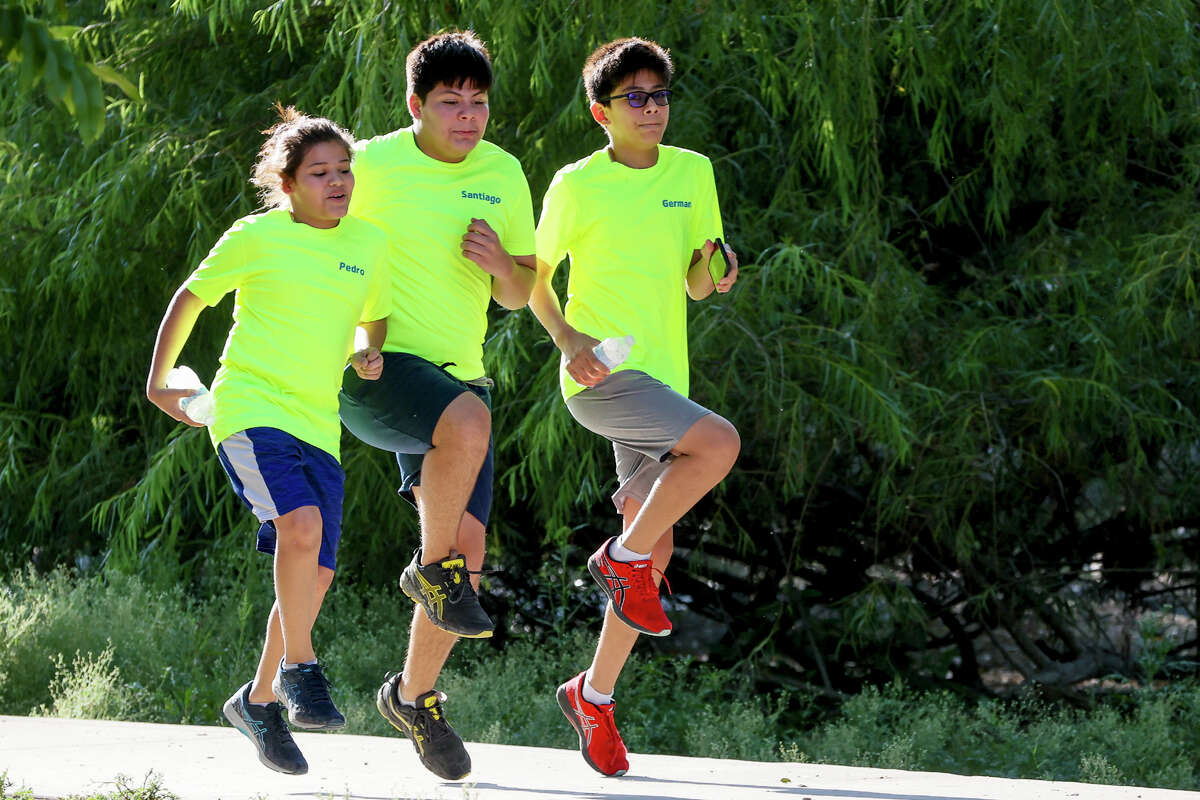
x,y
1154,741
109,647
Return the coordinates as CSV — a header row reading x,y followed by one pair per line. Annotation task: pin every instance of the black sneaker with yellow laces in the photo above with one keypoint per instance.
x,y
444,589
440,749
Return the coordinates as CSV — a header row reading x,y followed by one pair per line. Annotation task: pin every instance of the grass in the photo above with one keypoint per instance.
x,y
150,789
111,647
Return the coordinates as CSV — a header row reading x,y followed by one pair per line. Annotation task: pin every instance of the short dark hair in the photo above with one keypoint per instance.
x,y
288,141
452,58
611,63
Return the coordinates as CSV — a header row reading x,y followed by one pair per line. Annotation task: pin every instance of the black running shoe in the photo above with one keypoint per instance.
x,y
264,726
444,589
438,746
304,691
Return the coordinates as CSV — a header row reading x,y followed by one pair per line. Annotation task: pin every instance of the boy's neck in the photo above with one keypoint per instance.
x,y
429,146
633,158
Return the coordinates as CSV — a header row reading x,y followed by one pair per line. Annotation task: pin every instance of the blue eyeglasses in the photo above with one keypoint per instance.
x,y
638,99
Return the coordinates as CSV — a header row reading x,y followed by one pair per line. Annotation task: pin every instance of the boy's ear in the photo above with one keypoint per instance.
x,y
414,106
599,113
287,184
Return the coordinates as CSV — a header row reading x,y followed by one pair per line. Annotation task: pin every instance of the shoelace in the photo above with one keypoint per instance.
x,y
644,581
276,727
314,683
426,719
459,579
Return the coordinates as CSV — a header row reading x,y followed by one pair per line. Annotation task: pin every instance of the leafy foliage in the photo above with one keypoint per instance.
x,y
42,54
75,645
961,353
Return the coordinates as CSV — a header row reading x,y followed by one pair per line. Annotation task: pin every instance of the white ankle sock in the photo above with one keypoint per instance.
x,y
591,695
619,552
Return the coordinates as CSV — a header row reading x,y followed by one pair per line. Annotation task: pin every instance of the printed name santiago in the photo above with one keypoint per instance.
x,y
491,198
677,203
342,265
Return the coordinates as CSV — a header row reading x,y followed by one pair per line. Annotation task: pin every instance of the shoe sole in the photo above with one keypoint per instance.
x,y
600,580
281,696
396,722
235,719
487,634
569,712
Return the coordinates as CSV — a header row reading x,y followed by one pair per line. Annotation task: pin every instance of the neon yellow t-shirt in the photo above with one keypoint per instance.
x,y
439,297
630,234
300,292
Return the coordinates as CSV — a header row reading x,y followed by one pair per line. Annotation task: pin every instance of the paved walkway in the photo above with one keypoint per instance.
x,y
57,758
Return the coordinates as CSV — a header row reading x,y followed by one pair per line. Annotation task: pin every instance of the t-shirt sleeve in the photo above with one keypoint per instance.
x,y
520,238
706,221
222,270
554,228
379,295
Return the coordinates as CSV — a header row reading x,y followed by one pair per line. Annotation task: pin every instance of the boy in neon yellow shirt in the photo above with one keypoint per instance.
x,y
638,220
305,275
454,207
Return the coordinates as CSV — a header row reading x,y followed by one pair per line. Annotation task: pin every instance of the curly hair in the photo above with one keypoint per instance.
x,y
288,141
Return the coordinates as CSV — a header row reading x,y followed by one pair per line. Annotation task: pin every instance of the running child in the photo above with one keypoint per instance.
x,y
305,275
638,220
459,222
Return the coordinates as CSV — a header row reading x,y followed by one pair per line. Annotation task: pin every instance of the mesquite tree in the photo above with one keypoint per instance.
x,y
961,353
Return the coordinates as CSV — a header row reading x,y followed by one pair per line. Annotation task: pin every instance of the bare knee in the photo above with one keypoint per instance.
x,y
727,442
299,531
712,438
466,422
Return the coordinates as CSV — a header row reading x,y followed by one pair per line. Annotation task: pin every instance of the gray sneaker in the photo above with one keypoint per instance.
x,y
444,589
264,726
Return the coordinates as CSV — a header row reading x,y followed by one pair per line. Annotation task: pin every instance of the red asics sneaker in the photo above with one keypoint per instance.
x,y
630,587
599,741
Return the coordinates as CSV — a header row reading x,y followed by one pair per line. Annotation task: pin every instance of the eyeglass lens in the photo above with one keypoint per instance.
x,y
638,99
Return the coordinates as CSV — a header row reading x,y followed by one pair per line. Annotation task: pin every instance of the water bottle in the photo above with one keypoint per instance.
x,y
199,405
613,350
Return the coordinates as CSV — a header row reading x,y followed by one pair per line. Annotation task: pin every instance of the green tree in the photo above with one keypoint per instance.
x,y
42,54
961,353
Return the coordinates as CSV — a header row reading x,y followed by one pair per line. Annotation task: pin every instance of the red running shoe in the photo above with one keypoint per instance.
x,y
599,741
630,587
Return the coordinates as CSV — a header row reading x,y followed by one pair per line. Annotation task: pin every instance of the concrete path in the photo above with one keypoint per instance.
x,y
57,758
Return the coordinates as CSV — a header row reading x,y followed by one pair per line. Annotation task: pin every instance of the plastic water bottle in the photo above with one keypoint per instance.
x,y
198,406
613,350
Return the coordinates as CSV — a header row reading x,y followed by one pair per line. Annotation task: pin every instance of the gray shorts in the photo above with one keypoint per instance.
x,y
644,419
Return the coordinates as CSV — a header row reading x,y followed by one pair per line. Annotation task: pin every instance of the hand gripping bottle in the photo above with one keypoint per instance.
x,y
613,350
199,406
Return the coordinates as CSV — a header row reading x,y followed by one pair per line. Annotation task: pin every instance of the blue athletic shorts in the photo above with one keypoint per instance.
x,y
399,411
273,473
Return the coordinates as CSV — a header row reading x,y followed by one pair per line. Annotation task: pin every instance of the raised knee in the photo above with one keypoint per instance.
x,y
723,440
466,421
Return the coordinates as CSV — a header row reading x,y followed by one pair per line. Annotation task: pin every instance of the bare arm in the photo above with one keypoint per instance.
x,y
513,291
699,280
173,334
576,347
512,277
368,340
